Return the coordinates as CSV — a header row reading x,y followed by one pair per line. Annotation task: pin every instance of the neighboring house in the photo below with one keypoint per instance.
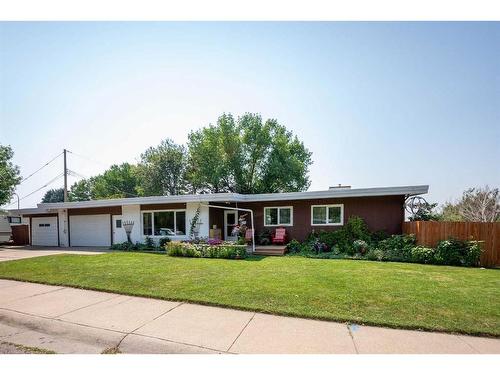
x,y
100,222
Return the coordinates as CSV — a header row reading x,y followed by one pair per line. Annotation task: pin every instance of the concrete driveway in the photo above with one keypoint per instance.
x,y
22,252
69,320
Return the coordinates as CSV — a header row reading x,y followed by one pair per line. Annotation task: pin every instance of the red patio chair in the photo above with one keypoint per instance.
x,y
249,235
279,236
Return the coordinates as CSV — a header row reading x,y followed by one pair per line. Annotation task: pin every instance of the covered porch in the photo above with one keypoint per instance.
x,y
223,218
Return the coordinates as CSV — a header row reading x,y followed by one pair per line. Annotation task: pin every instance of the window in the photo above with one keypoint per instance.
x,y
118,223
147,223
14,220
274,216
44,225
164,223
332,214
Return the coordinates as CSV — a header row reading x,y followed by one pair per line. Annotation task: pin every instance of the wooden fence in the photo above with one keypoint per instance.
x,y
429,233
20,234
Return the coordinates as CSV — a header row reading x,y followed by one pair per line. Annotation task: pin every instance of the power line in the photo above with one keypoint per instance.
x,y
101,163
39,169
76,174
44,186
88,159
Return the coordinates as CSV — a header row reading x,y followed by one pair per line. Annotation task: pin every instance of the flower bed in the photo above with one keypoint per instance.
x,y
204,250
355,241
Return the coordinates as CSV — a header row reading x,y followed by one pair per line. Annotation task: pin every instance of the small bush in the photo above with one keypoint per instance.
x,y
124,246
375,254
357,229
454,252
473,254
398,247
163,241
422,254
265,237
320,247
149,243
378,236
450,252
293,246
360,247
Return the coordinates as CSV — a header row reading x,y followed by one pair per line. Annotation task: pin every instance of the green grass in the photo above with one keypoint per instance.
x,y
452,299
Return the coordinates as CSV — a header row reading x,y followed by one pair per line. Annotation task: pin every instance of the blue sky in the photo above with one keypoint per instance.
x,y
378,104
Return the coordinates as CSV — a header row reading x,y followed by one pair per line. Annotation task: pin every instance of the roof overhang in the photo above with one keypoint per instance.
x,y
230,197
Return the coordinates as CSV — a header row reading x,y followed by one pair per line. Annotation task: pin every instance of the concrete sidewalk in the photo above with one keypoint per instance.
x,y
68,320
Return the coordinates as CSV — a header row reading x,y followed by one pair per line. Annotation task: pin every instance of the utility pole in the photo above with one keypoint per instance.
x,y
65,178
17,200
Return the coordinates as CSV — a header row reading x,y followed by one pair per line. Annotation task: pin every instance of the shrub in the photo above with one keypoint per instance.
x,y
398,247
163,241
226,251
265,237
293,246
473,254
124,246
182,249
422,254
320,247
343,238
458,253
149,243
357,229
378,236
375,254
360,246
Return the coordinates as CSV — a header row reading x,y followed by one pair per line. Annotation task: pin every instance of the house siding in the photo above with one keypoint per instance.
x,y
380,213
112,210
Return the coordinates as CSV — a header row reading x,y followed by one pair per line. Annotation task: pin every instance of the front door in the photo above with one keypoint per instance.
x,y
119,234
230,221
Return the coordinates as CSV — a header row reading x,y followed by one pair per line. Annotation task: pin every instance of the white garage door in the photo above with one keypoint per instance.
x,y
44,231
90,230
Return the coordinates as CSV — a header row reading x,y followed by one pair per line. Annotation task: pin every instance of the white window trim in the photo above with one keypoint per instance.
x,y
279,225
327,207
152,235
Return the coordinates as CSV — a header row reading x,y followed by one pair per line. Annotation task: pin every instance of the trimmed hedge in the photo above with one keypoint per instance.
x,y
223,251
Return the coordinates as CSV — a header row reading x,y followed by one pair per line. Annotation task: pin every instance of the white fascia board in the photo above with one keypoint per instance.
x,y
29,211
219,197
340,193
234,197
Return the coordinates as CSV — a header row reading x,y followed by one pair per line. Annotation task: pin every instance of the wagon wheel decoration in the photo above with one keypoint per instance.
x,y
414,204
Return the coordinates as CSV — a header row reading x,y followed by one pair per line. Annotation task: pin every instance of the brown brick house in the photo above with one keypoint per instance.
x,y
101,222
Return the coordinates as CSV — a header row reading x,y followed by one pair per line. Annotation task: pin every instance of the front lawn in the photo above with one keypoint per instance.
x,y
440,298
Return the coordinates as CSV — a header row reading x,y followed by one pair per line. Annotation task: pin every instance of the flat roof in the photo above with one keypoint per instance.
x,y
231,197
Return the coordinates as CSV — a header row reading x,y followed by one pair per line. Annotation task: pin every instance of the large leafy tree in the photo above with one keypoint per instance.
x,y
209,157
247,156
81,190
53,196
162,170
119,181
9,174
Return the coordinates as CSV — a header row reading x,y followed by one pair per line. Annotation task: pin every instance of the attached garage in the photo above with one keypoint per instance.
x,y
90,230
44,231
